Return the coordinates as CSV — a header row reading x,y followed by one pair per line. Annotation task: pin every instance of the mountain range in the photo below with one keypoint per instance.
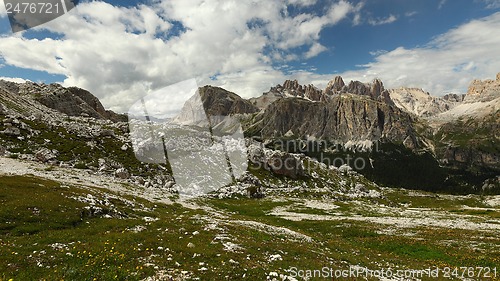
x,y
416,140
409,138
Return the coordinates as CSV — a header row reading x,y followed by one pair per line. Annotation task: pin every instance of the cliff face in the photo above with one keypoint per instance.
x,y
342,118
220,102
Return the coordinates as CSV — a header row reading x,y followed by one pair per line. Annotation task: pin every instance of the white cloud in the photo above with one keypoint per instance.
x,y
303,3
492,4
381,21
315,50
120,53
446,64
14,79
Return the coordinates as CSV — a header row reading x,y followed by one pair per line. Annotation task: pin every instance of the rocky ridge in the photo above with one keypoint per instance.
x,y
71,101
38,125
374,90
486,90
421,103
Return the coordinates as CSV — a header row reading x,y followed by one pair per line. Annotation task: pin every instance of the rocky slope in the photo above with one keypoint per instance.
x,y
71,101
292,89
341,118
486,90
421,103
69,127
342,113
467,136
458,131
219,102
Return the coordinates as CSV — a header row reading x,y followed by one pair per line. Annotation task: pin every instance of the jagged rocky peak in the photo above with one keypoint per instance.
x,y
374,90
220,102
486,90
292,88
453,98
335,85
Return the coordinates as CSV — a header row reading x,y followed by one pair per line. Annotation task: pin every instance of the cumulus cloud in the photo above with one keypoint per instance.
x,y
446,64
120,53
304,3
14,79
315,50
381,21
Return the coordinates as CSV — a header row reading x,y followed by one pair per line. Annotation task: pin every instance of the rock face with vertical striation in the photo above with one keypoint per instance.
x,y
335,86
342,118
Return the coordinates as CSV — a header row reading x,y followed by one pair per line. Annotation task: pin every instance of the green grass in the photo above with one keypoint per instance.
x,y
36,214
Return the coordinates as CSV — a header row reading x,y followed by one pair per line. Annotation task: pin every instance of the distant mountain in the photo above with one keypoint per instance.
x,y
449,141
485,91
33,98
408,137
292,89
421,103
215,103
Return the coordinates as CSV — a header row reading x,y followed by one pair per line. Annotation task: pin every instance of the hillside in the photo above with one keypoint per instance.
x,y
78,204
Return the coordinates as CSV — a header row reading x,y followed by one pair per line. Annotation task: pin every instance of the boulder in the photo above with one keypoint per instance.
x,y
285,164
46,155
122,173
107,133
11,131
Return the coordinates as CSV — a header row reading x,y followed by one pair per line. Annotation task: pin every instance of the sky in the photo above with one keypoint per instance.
x,y
123,50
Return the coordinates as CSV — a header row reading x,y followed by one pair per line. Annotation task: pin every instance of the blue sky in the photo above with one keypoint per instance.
x,y
120,50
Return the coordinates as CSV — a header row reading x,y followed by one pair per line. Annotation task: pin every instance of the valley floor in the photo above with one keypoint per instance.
x,y
61,223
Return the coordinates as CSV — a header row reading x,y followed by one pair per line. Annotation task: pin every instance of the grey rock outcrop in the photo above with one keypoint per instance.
x,y
486,90
45,155
71,101
292,88
220,102
336,85
122,173
453,98
421,103
342,119
374,90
